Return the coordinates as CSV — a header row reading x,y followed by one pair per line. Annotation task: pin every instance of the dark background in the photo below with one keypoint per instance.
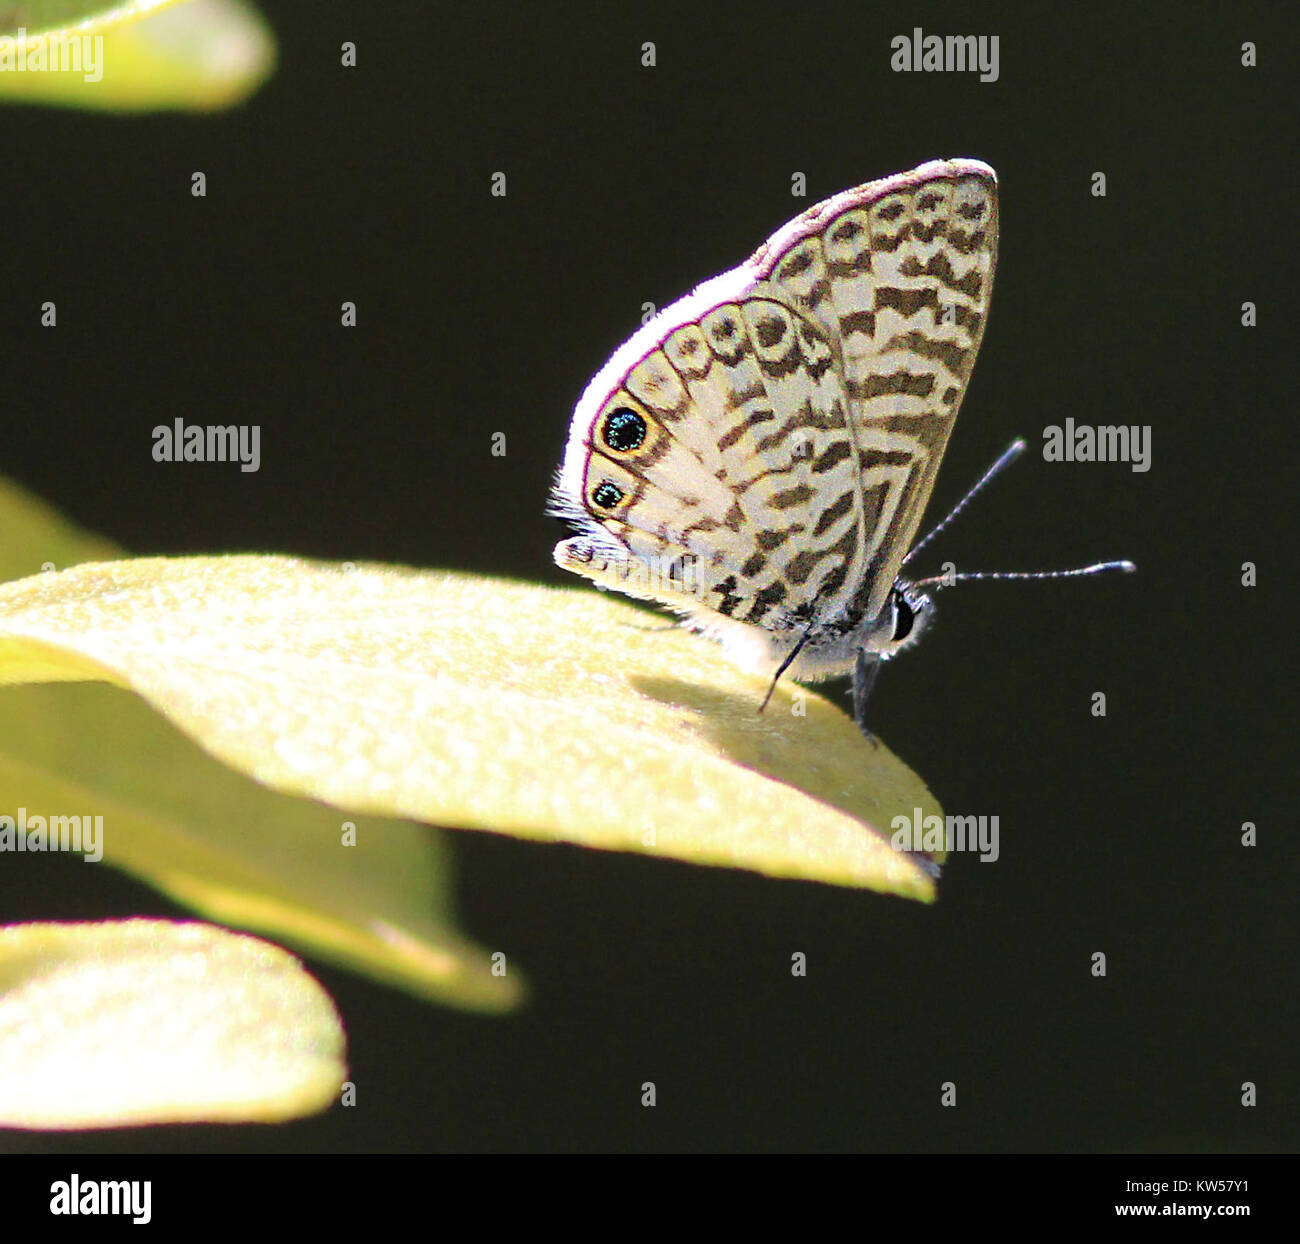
x,y
482,315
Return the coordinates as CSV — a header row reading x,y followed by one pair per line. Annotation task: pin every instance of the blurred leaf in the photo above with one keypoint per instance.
x,y
481,704
46,16
210,838
133,56
150,1021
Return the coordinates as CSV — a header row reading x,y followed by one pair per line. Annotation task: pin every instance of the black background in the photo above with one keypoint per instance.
x,y
480,315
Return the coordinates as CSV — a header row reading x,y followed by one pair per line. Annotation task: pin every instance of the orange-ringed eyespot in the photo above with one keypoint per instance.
x,y
624,430
606,495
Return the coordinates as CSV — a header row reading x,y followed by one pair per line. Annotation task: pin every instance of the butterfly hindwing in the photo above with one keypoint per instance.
x,y
742,409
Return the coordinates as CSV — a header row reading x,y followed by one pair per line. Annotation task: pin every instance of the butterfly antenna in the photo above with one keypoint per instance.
x,y
939,581
1013,451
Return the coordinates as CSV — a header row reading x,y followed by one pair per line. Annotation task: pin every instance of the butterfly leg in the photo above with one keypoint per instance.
x,y
651,630
785,665
865,670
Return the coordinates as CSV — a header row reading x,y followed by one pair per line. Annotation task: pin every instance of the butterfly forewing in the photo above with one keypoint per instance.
x,y
766,445
898,274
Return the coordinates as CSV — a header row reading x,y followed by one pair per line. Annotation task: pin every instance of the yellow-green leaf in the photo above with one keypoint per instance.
x,y
133,55
550,714
150,1021
205,834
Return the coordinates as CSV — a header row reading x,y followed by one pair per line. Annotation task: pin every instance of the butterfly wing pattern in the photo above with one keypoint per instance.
x,y
759,455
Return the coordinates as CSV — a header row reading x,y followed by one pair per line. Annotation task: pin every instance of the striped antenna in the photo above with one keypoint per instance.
x,y
937,582
1013,451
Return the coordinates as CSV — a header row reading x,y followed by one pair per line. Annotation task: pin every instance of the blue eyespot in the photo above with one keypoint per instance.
x,y
606,495
624,430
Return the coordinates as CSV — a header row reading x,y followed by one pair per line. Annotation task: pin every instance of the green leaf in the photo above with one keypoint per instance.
x,y
209,837
150,1021
133,55
478,703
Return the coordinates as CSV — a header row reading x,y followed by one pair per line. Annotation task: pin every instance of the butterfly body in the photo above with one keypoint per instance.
x,y
759,455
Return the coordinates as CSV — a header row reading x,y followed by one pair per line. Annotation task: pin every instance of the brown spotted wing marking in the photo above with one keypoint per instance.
x,y
900,282
795,409
747,466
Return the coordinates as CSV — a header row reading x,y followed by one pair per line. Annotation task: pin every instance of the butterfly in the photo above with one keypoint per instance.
x,y
759,455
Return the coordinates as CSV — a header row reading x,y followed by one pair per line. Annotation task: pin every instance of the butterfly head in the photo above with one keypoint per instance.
x,y
905,618
830,646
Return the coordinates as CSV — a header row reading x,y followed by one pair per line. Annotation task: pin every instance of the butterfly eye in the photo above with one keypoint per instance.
x,y
624,430
904,618
606,495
